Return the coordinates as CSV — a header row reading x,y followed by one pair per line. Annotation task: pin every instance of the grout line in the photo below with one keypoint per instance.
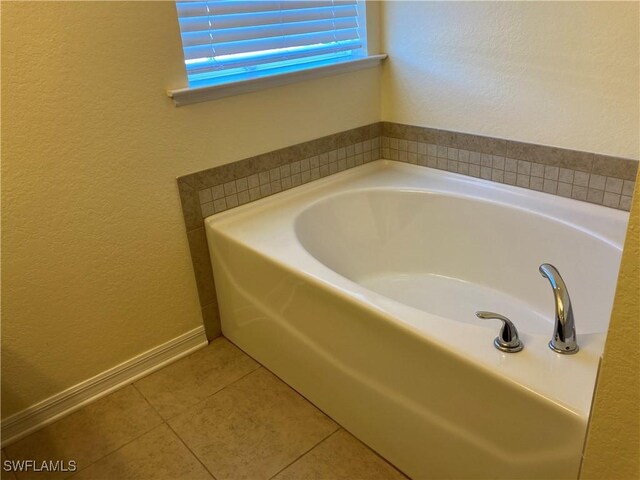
x,y
116,450
310,449
144,396
109,452
190,451
195,405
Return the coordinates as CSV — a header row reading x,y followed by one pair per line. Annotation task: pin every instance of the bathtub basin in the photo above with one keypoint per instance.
x,y
359,291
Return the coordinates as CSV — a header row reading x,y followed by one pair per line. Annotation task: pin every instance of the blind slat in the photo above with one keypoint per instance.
x,y
192,39
225,37
227,7
270,43
199,23
267,58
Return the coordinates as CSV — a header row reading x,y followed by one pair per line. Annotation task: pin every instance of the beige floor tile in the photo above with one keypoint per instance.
x,y
157,455
196,377
340,457
6,474
253,428
88,434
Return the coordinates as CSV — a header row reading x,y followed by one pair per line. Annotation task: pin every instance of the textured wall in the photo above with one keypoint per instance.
x,y
95,261
613,441
554,73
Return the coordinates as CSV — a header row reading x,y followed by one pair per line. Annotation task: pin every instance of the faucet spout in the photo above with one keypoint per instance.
x,y
564,332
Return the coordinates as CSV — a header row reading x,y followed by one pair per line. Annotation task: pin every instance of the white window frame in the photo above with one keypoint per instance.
x,y
189,95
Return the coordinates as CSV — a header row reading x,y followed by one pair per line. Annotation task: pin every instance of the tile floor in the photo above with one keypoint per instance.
x,y
216,414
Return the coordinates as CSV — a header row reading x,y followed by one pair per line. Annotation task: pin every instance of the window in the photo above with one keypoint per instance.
x,y
228,41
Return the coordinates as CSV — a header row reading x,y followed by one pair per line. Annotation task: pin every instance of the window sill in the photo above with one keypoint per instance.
x,y
186,96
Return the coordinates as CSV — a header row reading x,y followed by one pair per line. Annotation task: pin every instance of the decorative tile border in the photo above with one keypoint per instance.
x,y
249,188
594,178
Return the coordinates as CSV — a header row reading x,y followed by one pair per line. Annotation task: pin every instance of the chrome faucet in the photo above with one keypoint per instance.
x,y
564,332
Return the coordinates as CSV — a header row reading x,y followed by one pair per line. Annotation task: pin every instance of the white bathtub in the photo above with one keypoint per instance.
x,y
359,290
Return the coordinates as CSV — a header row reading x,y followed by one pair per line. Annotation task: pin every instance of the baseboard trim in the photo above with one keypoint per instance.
x,y
53,408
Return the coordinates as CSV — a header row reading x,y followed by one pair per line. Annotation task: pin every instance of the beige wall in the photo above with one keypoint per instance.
x,y
95,265
613,441
554,73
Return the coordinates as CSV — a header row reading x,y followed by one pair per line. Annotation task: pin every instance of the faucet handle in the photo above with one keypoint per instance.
x,y
508,340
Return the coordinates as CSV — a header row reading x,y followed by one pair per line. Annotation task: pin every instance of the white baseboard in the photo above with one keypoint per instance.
x,y
53,408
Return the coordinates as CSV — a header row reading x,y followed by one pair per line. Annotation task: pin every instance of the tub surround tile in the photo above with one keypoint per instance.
x,y
564,189
88,434
537,170
625,203
550,186
613,185
191,206
497,176
277,158
597,181
522,180
536,166
192,379
510,165
253,428
579,192
551,173
207,209
340,457
219,198
159,454
623,168
581,179
595,195
536,183
504,161
611,200
201,265
510,178
627,188
211,319
524,167
566,175
474,170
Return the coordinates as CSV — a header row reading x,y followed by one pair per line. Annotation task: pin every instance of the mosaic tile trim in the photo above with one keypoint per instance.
x,y
233,193
591,187
594,178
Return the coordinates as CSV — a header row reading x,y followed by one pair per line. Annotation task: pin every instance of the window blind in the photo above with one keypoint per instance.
x,y
226,39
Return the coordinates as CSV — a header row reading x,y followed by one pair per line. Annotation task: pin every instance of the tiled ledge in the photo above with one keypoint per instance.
x,y
599,179
220,188
594,178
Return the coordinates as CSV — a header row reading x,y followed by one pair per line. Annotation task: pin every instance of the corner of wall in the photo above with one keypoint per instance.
x,y
613,439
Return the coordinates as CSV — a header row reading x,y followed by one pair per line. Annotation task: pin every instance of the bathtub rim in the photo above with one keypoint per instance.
x,y
389,308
